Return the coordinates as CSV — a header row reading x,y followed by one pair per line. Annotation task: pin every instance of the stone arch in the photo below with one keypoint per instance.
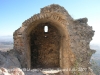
x,y
75,36
60,23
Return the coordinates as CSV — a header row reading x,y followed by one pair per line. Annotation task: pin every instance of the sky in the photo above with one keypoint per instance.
x,y
14,12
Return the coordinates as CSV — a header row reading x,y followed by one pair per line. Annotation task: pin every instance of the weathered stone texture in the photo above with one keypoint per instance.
x,y
9,59
15,71
80,35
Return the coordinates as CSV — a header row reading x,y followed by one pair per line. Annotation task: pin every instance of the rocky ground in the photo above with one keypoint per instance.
x,y
10,65
18,71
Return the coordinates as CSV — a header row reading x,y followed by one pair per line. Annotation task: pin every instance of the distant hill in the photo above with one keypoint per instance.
x,y
96,55
6,43
95,59
6,38
97,48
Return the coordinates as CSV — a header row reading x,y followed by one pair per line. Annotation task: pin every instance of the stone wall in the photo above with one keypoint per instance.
x,y
81,35
75,37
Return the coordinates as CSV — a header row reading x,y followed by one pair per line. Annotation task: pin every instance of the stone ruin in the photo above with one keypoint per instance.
x,y
65,45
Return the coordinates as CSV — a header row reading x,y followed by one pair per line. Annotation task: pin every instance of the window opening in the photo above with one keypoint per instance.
x,y
45,29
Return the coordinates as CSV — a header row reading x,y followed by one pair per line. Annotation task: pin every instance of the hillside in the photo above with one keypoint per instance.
x,y
6,43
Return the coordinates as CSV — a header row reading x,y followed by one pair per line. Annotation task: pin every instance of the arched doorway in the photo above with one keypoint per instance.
x,y
45,46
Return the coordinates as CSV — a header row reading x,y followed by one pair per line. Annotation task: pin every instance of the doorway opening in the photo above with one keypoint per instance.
x,y
45,46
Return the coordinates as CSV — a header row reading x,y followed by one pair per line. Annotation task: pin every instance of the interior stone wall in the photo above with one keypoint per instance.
x,y
45,47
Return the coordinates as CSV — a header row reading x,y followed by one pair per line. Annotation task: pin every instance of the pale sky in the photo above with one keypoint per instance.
x,y
14,12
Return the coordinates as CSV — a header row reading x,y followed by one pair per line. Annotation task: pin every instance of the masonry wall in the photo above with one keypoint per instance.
x,y
75,34
81,37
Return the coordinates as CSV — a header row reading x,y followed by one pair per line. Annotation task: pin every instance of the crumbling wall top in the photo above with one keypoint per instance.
x,y
55,8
